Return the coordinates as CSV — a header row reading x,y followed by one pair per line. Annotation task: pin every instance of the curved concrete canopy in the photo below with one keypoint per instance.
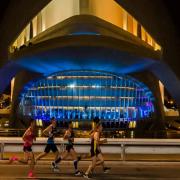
x,y
84,52
114,50
75,58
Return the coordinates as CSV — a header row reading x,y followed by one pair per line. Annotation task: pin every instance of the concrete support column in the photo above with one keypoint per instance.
x,y
21,79
157,126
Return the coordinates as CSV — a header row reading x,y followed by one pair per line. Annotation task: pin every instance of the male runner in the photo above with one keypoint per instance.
x,y
69,136
50,131
96,154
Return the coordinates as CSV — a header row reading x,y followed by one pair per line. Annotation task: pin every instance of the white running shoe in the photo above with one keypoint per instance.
x,y
54,167
86,176
78,173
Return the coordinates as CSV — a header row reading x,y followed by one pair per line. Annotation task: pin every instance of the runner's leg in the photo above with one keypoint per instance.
x,y
61,157
76,160
32,164
25,159
101,162
92,166
43,154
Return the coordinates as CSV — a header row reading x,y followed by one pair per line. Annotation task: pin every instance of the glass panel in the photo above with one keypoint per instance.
x,y
86,94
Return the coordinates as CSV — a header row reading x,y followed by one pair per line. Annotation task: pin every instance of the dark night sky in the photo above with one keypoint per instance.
x,y
173,8
3,7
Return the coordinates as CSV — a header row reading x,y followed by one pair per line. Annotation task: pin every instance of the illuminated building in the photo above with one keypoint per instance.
x,y
84,95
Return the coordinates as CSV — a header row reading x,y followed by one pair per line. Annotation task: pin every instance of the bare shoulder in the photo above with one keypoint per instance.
x,y
96,135
67,132
49,127
28,130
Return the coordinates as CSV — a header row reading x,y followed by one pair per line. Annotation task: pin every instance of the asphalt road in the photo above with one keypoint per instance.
x,y
120,171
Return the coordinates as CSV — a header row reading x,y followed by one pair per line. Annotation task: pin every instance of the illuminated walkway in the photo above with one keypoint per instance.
x,y
120,170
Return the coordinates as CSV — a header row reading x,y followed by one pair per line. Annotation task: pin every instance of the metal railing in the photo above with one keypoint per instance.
x,y
9,132
122,147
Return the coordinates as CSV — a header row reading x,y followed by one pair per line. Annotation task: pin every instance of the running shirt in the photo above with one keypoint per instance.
x,y
29,137
51,146
70,143
50,139
95,150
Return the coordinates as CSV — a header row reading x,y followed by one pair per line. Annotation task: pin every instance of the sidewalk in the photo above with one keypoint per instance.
x,y
114,157
119,171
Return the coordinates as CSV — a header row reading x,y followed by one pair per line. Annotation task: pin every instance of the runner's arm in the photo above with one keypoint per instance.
x,y
66,135
25,134
103,141
47,130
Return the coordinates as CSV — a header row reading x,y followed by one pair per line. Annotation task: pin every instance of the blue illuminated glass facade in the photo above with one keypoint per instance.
x,y
83,95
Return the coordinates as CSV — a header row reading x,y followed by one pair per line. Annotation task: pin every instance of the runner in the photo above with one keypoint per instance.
x,y
28,138
69,136
96,154
50,131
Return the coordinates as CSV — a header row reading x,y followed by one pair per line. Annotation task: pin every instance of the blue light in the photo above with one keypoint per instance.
x,y
84,33
95,86
85,94
72,86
